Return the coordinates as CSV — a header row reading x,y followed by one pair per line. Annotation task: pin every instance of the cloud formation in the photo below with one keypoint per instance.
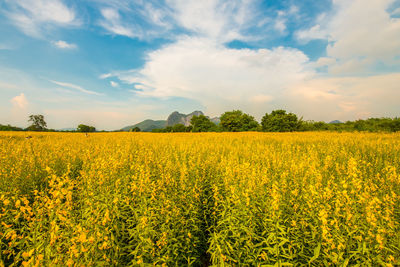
x,y
34,16
20,101
346,98
361,35
215,19
64,45
76,87
217,76
202,68
113,23
114,84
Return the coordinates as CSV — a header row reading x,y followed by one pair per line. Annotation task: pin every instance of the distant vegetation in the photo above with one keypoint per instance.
x,y
38,123
9,128
85,128
147,125
279,121
136,129
232,121
237,121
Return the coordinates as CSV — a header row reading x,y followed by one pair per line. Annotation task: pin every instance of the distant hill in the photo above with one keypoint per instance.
x,y
216,120
147,125
176,118
335,122
67,129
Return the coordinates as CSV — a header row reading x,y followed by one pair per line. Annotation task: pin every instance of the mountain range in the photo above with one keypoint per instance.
x,y
174,118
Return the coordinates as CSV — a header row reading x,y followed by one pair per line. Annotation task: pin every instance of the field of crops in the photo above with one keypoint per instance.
x,y
248,199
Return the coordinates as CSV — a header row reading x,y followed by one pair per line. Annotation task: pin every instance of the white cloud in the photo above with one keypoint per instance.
x,y
136,19
324,61
114,24
105,76
220,20
360,35
293,10
76,87
214,18
217,19
284,16
314,32
32,15
346,98
64,45
200,67
216,76
20,101
280,25
114,84
156,15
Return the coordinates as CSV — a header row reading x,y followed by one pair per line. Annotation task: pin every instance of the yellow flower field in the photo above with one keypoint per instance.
x,y
248,199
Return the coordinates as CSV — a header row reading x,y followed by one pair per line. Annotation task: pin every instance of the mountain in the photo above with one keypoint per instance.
x,y
216,120
335,122
147,125
176,118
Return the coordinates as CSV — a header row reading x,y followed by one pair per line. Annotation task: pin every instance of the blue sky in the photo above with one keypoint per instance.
x,y
112,63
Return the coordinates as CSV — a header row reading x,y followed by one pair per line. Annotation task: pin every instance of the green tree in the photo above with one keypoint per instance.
x,y
280,121
85,128
202,123
9,128
178,128
136,129
38,123
237,121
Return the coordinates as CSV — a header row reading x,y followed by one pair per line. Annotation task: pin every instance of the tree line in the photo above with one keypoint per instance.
x,y
279,121
38,124
237,121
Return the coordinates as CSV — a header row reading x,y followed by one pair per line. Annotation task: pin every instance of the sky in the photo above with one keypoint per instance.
x,y
113,63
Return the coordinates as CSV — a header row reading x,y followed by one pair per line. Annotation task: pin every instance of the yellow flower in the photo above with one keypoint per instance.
x,y
82,237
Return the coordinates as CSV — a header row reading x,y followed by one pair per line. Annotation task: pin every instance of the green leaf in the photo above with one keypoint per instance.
x,y
316,253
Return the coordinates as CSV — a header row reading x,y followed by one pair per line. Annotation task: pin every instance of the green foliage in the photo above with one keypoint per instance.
x,y
147,125
368,125
280,121
237,121
177,128
9,128
135,129
376,125
202,123
85,128
309,199
38,123
158,130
